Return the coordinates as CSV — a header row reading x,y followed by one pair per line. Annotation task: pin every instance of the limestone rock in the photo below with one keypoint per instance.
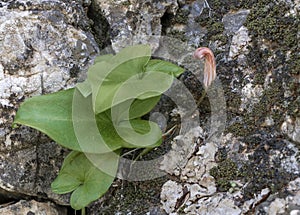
x,y
171,192
46,46
137,21
32,207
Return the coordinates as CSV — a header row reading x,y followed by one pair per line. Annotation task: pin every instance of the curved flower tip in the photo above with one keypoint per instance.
x,y
209,65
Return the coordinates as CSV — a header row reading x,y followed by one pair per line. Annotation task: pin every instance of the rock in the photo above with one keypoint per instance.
x,y
251,96
233,22
291,128
134,22
182,149
218,204
171,192
277,206
45,47
289,204
238,45
32,207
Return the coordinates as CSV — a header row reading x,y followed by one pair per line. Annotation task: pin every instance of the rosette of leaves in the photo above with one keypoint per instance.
x,y
101,116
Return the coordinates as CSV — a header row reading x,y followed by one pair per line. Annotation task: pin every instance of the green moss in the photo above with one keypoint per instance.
x,y
181,16
270,22
258,172
181,210
216,32
212,21
134,197
293,64
259,78
203,18
126,3
224,173
273,51
267,21
252,121
178,35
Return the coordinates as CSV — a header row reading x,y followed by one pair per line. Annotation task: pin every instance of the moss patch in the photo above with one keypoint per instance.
x,y
262,169
180,35
269,21
273,51
133,197
224,173
181,16
168,20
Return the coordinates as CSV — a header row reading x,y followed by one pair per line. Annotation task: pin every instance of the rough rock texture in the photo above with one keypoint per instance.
x,y
45,46
248,164
135,21
257,157
32,207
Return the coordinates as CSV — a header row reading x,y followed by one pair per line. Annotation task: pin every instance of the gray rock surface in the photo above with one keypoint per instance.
x,y
32,207
45,46
136,21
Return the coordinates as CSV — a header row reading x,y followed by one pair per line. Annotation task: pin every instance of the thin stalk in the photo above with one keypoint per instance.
x,y
83,211
201,98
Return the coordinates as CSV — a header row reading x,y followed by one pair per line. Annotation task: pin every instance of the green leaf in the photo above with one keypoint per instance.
x,y
164,66
85,125
98,134
134,133
131,109
67,118
85,87
103,58
52,115
88,181
153,83
140,133
101,116
105,77
140,107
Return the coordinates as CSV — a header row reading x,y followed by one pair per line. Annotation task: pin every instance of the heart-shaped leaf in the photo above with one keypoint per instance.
x,y
101,116
52,115
99,134
133,108
87,181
